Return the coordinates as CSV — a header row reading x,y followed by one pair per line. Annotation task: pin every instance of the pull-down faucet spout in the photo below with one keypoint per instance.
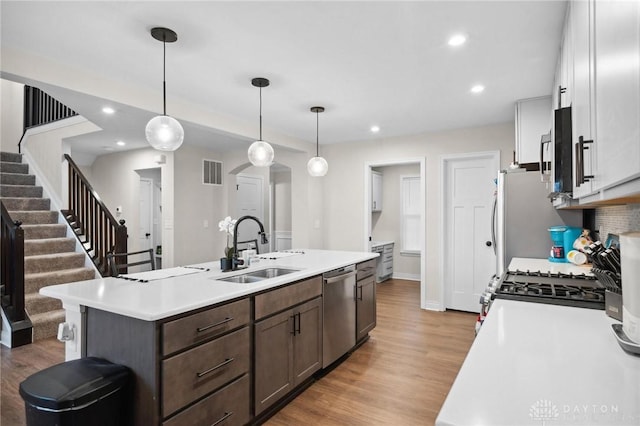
x,y
263,239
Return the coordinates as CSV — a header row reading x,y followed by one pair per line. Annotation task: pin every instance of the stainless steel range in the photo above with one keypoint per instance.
x,y
581,290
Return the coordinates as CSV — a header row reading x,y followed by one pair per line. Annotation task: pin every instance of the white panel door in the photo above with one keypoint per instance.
x,y
469,257
146,214
249,199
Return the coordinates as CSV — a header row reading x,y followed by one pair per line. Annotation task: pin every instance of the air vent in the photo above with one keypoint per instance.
x,y
211,172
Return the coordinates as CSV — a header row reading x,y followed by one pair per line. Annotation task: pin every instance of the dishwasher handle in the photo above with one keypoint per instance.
x,y
341,277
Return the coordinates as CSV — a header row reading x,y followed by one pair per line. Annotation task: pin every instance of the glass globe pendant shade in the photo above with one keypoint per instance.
x,y
164,133
317,166
261,154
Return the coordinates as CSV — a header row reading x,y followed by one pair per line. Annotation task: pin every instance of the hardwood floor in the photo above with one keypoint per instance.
x,y
17,365
400,376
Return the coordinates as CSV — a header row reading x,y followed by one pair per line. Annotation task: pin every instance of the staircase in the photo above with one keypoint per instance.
x,y
49,256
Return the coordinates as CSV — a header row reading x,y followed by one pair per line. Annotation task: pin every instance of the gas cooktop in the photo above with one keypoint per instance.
x,y
579,290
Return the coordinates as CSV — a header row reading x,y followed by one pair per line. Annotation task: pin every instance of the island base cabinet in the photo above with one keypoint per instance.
x,y
365,307
229,406
307,341
288,350
192,374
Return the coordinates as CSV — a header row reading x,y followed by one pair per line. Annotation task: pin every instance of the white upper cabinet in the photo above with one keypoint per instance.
x,y
582,117
533,119
376,191
601,51
617,91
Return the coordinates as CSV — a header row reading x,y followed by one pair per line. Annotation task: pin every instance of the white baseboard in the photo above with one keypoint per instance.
x,y
403,276
432,305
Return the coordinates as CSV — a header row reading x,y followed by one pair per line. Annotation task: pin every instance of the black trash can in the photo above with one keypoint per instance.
x,y
86,391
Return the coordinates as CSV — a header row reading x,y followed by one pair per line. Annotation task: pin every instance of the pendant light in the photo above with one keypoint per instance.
x,y
164,133
317,166
260,152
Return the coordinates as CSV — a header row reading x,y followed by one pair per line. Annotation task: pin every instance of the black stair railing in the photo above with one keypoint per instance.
x,y
12,276
40,108
96,228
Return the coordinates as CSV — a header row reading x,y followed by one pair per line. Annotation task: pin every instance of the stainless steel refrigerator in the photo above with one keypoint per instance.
x,y
522,216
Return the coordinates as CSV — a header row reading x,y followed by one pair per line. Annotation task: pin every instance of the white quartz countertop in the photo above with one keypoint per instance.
x,y
191,288
535,364
543,265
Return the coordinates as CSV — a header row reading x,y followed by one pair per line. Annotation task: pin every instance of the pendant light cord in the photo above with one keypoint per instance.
x,y
164,79
317,132
260,113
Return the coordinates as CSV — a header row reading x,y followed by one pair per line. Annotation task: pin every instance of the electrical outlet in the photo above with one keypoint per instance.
x,y
205,223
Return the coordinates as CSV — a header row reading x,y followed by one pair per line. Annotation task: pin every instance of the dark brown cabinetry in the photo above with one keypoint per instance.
x,y
288,344
365,299
192,370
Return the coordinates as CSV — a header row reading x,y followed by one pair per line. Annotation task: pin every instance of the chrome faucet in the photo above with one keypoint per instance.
x,y
263,239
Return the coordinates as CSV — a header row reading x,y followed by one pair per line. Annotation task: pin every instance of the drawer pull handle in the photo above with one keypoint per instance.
x,y
212,369
205,328
225,417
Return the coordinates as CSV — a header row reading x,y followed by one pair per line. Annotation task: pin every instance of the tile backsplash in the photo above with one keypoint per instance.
x,y
617,219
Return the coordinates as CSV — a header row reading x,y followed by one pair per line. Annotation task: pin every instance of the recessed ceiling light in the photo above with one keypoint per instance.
x,y
375,129
108,110
120,143
478,88
457,40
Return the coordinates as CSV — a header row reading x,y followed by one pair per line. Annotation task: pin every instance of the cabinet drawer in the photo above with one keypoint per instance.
x,y
388,248
285,297
196,328
365,269
196,372
229,407
387,257
387,268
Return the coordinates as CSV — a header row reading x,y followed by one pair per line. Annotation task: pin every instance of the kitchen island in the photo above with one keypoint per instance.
x,y
535,363
201,348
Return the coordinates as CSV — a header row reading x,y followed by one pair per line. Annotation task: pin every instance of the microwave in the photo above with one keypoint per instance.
x,y
562,151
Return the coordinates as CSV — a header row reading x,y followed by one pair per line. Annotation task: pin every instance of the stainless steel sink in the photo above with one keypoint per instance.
x,y
259,275
271,272
241,279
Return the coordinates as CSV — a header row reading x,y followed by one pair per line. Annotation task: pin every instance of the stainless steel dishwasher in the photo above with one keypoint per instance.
x,y
339,313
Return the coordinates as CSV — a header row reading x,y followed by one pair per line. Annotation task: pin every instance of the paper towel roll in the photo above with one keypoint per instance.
x,y
630,271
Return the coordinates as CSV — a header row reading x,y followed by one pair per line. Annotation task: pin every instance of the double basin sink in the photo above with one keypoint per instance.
x,y
259,275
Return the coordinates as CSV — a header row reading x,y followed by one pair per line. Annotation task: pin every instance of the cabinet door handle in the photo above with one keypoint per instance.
x,y
580,149
212,369
207,327
298,327
360,288
223,418
293,318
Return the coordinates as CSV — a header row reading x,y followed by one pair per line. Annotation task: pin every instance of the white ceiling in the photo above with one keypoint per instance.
x,y
367,62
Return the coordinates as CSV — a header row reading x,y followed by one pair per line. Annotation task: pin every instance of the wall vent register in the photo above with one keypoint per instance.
x,y
211,172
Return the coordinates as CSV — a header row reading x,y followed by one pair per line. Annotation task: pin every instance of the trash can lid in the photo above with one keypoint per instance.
x,y
73,383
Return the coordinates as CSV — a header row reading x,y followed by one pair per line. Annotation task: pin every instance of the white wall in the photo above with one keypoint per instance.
x,y
386,225
116,181
196,203
344,209
282,200
11,115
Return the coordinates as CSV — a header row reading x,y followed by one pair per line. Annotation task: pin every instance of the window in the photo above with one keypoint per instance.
x,y
410,214
211,172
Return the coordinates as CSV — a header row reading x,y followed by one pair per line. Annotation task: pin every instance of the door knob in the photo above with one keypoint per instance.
x,y
147,235
488,243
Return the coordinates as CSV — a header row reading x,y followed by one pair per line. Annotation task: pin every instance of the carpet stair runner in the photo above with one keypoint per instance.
x,y
49,256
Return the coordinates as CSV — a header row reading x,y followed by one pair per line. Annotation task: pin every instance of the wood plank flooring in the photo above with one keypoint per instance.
x,y
401,376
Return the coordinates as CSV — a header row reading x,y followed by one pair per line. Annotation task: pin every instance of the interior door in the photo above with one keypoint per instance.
x,y
469,259
146,214
249,199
